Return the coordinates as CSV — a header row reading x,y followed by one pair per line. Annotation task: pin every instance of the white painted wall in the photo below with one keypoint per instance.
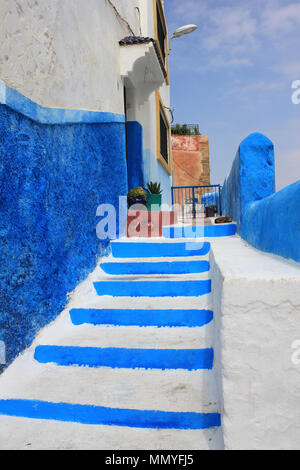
x,y
129,10
147,25
256,300
145,114
152,166
66,54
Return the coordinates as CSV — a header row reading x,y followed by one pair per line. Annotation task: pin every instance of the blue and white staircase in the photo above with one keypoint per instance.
x,y
128,365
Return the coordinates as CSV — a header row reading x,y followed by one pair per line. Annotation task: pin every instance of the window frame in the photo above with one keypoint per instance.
x,y
157,5
160,109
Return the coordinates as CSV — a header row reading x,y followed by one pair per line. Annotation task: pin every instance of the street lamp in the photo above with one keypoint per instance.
x,y
187,29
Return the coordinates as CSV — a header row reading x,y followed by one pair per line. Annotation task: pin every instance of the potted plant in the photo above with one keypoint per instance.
x,y
136,196
153,196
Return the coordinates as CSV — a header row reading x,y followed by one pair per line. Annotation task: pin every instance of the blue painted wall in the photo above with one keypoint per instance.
x,y
210,199
252,176
273,224
267,220
52,178
134,143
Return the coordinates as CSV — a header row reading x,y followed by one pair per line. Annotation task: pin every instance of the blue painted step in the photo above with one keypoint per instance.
x,y
122,358
207,231
158,250
164,267
153,288
159,318
98,415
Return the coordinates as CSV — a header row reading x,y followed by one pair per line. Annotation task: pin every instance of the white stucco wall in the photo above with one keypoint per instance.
x,y
66,54
145,114
129,10
153,167
257,316
146,10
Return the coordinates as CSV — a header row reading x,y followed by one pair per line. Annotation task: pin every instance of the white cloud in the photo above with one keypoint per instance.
x,y
189,9
225,34
230,28
218,62
256,86
290,70
276,19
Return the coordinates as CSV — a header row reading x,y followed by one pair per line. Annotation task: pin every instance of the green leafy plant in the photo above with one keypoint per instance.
x,y
154,188
137,193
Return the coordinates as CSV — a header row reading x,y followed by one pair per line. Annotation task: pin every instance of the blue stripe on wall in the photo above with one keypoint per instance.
x,y
208,231
98,415
153,288
190,359
174,267
157,250
159,318
44,115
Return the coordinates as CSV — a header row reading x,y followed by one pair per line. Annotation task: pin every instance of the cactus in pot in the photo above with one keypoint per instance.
x,y
153,196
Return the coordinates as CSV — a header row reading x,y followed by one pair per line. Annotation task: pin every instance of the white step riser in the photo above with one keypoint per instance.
x,y
176,391
136,337
17,433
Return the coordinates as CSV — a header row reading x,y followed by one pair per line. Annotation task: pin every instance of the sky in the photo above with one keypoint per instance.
x,y
234,76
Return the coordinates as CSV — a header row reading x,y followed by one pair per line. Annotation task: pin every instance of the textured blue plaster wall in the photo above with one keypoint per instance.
x,y
267,220
252,176
273,224
52,178
212,199
134,143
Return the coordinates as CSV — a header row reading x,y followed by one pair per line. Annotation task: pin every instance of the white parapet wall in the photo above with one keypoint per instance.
x,y
257,345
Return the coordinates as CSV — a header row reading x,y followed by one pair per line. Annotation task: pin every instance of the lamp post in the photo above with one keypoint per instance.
x,y
187,29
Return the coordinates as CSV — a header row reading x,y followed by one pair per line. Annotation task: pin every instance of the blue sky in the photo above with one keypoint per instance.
x,y
234,76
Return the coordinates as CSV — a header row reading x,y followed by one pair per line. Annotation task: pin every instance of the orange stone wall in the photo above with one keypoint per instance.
x,y
190,156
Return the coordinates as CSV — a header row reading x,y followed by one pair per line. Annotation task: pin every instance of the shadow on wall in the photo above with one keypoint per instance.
x,y
52,178
267,220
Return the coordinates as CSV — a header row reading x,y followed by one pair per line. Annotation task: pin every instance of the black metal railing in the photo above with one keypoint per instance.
x,y
197,201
